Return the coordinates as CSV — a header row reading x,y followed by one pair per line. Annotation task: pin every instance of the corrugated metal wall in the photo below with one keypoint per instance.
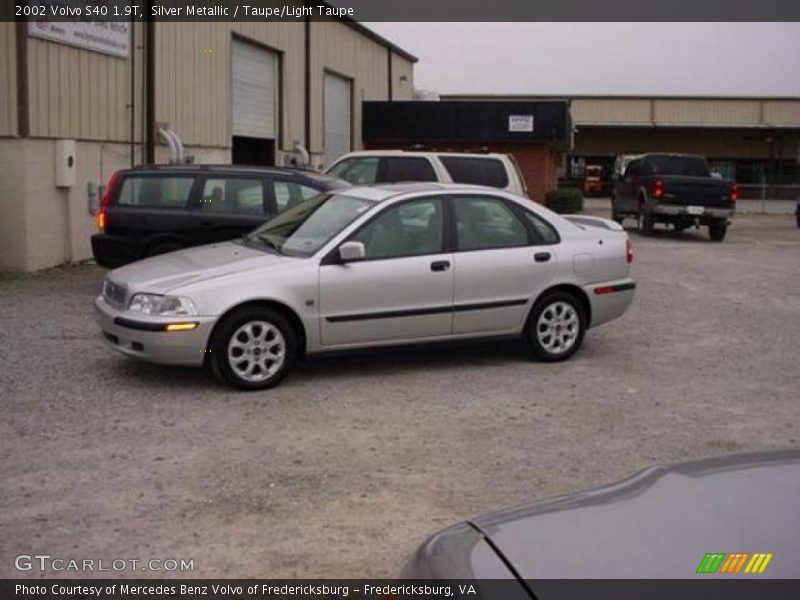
x,y
78,94
193,77
686,111
344,51
8,80
402,78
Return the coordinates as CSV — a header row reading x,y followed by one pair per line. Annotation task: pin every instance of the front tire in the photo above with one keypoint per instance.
x,y
645,221
253,349
615,216
717,231
555,327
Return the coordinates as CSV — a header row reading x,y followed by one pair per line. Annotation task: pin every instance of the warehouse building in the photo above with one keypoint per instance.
x,y
755,141
80,100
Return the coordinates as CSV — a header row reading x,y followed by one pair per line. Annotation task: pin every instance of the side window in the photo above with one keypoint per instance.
x,y
400,169
155,192
289,194
483,222
358,171
543,232
633,169
478,171
410,229
238,196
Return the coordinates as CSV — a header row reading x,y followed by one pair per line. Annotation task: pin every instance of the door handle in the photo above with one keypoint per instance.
x,y
207,223
440,265
541,256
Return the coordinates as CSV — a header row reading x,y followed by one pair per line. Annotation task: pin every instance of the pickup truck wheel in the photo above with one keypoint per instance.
x,y
615,216
253,349
555,328
717,231
645,221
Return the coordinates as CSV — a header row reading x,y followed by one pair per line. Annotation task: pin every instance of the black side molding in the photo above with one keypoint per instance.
x,y
139,325
435,310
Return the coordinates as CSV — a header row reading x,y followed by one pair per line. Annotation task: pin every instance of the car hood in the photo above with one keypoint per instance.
x,y
660,523
164,273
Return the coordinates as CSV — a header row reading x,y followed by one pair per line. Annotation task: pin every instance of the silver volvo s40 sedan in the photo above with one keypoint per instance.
x,y
372,266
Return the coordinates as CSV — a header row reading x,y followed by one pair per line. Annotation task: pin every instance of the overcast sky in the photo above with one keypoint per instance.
x,y
603,58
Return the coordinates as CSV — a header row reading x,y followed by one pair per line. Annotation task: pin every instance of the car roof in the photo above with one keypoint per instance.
x,y
258,169
384,191
421,153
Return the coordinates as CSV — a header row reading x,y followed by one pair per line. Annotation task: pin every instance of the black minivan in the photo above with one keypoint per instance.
x,y
152,210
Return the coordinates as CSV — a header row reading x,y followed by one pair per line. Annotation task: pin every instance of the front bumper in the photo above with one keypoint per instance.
x,y
146,338
609,300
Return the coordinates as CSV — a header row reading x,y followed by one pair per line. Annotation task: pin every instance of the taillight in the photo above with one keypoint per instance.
x,y
735,191
658,188
104,202
628,251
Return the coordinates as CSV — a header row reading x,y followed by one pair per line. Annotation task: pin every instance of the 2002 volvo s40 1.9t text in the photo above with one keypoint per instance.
x,y
372,266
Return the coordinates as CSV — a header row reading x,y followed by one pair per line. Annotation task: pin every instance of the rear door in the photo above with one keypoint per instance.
x,y
504,257
152,204
229,206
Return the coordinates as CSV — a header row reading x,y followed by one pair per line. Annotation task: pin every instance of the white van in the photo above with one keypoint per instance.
x,y
394,166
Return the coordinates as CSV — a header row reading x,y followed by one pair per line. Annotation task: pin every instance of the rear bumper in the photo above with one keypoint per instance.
x,y
682,211
145,338
609,300
113,251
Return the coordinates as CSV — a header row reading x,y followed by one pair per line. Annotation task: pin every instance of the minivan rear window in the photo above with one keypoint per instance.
x,y
155,191
478,171
405,169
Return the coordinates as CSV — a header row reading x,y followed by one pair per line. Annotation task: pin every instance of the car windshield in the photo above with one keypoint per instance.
x,y
305,228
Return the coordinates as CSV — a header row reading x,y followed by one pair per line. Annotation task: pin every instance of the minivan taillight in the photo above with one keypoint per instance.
x,y
658,188
628,251
735,191
106,200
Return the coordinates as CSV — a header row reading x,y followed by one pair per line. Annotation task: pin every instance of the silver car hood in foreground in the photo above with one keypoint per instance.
x,y
660,523
162,274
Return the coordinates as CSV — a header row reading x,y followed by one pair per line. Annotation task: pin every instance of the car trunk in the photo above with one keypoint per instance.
x,y
696,191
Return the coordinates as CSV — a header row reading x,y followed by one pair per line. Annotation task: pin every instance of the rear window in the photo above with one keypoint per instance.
x,y
155,191
358,171
400,169
238,196
689,166
478,171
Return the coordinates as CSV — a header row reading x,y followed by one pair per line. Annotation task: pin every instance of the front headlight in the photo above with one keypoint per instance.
x,y
162,306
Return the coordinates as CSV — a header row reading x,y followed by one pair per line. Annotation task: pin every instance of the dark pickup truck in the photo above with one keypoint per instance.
x,y
676,189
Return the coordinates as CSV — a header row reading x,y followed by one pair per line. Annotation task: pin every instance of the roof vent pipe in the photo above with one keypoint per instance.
x,y
178,146
173,151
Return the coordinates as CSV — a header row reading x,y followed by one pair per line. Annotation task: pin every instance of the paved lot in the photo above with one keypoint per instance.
x,y
346,467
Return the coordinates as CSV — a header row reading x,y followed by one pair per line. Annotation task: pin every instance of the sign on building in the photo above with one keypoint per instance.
x,y
107,37
520,123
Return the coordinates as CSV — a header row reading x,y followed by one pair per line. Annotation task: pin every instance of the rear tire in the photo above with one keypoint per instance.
x,y
717,231
555,327
253,348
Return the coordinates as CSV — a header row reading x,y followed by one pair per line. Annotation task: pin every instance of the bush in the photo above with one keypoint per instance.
x,y
565,201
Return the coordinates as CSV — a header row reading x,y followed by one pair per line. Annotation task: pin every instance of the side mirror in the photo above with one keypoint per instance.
x,y
352,251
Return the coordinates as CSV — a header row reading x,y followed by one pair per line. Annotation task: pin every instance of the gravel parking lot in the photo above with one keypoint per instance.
x,y
345,468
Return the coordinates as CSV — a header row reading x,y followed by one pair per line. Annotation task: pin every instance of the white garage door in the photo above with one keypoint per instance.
x,y
255,91
338,123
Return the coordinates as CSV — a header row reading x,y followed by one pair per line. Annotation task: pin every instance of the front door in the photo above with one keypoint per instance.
x,y
402,290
